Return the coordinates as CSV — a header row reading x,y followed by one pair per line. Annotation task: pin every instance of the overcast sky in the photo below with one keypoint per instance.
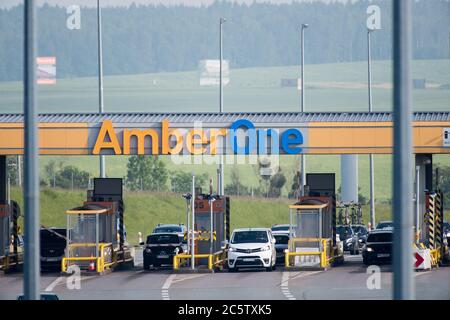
x,y
10,3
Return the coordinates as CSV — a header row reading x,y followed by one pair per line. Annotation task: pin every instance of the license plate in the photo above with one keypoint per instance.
x,y
383,255
249,260
162,256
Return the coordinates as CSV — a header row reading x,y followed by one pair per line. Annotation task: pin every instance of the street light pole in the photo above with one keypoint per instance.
x,y
403,212
31,285
371,164
221,190
100,77
302,107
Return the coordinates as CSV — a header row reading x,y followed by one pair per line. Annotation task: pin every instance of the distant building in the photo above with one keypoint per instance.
x,y
209,72
289,83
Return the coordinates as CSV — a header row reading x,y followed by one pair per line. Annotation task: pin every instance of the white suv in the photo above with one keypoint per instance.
x,y
252,248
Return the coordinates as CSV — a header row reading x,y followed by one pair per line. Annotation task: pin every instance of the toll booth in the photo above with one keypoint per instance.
x,y
211,228
312,219
96,236
211,234
11,246
11,249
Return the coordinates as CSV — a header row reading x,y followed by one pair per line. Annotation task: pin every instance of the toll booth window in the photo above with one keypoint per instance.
x,y
250,237
281,239
380,237
163,239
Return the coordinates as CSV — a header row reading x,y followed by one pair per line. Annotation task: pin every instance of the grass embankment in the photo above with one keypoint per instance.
x,y
144,210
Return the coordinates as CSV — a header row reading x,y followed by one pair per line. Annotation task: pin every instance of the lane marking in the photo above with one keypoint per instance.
x,y
165,288
52,285
291,276
285,286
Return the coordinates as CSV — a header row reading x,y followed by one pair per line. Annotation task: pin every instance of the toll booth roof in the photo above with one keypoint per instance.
x,y
308,206
89,209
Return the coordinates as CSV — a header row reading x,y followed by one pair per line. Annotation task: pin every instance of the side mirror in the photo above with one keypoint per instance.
x,y
224,244
141,243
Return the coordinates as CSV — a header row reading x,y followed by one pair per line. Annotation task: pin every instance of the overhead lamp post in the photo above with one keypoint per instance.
x,y
302,106
371,163
100,78
221,190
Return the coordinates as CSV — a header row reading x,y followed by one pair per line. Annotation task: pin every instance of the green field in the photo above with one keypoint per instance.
x,y
145,210
330,87
116,167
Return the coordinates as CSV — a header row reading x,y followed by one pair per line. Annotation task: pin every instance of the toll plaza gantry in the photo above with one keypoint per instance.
x,y
283,133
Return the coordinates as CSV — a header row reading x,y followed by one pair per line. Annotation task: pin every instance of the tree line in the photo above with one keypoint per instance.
x,y
144,39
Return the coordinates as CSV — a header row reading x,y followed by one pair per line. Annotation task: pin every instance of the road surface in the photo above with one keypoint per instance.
x,y
348,281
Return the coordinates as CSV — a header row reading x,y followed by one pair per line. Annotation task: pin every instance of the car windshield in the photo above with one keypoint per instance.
x,y
384,225
344,232
280,228
359,229
52,236
250,237
163,239
167,229
281,239
380,237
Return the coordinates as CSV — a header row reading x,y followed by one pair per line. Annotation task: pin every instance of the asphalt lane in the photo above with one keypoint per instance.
x,y
348,281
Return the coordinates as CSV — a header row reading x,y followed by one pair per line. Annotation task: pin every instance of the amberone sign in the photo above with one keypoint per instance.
x,y
198,141
203,134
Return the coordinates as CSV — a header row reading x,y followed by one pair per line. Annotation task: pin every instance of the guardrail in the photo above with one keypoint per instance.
x,y
102,262
325,259
214,259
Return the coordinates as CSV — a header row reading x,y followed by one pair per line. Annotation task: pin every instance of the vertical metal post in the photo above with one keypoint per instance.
x,y
302,107
19,170
8,196
371,164
402,249
193,224
3,178
221,190
417,220
97,236
211,225
100,77
31,159
188,223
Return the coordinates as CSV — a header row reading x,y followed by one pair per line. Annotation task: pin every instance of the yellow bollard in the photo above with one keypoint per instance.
x,y
286,258
175,262
210,262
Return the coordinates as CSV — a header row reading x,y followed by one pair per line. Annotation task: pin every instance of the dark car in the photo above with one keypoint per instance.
x,y
281,244
160,249
44,297
378,247
53,245
349,238
385,225
362,233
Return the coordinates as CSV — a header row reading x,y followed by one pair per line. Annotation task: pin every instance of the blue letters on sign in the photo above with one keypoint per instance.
x,y
291,136
290,139
251,136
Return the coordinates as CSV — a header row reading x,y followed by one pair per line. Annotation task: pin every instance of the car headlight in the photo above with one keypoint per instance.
x,y
148,250
360,240
349,240
368,249
176,250
265,248
231,249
